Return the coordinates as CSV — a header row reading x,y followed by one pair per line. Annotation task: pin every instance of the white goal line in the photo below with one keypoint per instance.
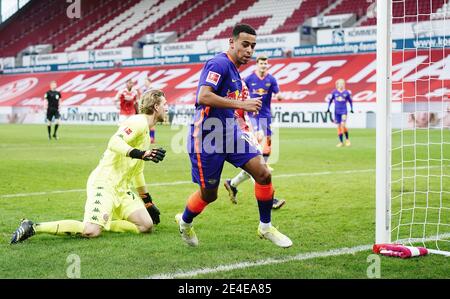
x,y
272,261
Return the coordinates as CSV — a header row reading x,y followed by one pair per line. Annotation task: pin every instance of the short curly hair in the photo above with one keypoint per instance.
x,y
149,99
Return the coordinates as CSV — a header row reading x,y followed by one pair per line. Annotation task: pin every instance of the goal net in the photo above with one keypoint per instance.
x,y
413,123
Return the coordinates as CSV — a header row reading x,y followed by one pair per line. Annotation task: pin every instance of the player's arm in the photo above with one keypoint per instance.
x,y
211,79
276,90
136,102
330,100
139,183
60,99
206,96
46,99
120,143
117,99
279,96
349,99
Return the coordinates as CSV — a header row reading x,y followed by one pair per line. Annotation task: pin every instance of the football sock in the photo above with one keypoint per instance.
x,y
346,133
264,196
62,227
194,207
340,134
123,226
264,226
152,135
241,177
49,130
56,129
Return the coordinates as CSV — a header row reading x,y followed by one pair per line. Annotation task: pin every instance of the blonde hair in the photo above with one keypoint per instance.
x,y
261,57
149,100
340,80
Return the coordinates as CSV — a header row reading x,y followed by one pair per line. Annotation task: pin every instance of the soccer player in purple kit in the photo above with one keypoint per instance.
x,y
341,96
260,84
218,92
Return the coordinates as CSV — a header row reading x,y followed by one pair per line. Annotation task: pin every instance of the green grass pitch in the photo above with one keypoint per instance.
x,y
330,194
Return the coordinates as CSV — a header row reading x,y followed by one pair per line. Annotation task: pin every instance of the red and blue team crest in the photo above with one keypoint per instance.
x,y
233,95
260,91
128,131
213,77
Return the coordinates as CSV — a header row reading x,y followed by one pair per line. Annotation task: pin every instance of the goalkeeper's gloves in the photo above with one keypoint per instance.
x,y
155,155
151,208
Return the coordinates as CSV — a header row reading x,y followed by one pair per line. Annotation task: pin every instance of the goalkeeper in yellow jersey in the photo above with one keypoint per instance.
x,y
111,204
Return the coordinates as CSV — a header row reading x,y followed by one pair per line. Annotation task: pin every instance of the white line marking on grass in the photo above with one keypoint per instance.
x,y
298,257
189,182
286,175
269,261
40,193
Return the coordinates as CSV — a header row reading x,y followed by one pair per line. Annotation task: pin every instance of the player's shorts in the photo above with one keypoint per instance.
x,y
340,118
261,124
105,204
53,113
207,165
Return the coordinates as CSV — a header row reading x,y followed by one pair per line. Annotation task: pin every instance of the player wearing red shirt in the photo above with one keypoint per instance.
x,y
126,100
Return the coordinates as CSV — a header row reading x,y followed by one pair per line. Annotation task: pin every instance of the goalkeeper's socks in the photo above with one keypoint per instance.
x,y
195,205
241,177
56,129
123,226
264,197
49,130
62,227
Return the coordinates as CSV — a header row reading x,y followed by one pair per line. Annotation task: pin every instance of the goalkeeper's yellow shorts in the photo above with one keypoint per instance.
x,y
104,203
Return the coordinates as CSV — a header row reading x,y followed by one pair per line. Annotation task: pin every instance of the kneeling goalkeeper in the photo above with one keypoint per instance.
x,y
111,204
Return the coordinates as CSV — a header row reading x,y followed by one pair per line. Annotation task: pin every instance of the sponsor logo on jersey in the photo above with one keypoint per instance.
x,y
260,91
128,131
234,95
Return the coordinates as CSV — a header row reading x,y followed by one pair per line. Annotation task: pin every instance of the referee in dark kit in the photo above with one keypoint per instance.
x,y
53,97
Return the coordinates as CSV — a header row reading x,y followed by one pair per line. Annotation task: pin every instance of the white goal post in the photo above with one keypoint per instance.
x,y
413,158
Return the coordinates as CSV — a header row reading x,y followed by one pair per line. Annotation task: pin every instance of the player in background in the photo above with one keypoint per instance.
x,y
341,96
218,92
126,100
53,97
147,87
261,84
247,126
111,204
